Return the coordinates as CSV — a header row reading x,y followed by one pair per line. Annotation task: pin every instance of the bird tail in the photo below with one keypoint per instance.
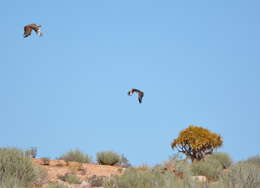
x,y
39,33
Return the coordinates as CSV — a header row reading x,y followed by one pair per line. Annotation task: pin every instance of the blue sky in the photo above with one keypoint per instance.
x,y
196,61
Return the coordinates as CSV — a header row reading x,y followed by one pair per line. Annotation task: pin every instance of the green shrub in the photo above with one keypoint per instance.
x,y
57,185
223,158
70,178
108,158
135,178
178,165
76,156
10,185
241,175
16,168
96,181
153,178
42,176
254,160
211,168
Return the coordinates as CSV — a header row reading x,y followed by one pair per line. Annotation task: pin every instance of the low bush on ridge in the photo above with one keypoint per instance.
x,y
76,156
224,159
108,158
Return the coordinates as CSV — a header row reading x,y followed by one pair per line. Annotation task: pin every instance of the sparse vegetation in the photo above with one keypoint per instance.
x,y
45,161
143,167
196,142
10,185
70,178
61,163
108,158
254,160
42,176
57,185
241,175
96,181
135,178
75,166
147,179
16,168
180,167
211,168
224,159
76,156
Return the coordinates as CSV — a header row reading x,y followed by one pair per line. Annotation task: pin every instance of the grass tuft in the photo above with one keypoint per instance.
x,y
16,168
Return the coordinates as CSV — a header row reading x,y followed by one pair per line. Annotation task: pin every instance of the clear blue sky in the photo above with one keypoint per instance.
x,y
198,63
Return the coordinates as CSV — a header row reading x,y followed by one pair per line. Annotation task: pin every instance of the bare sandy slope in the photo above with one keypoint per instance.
x,y
84,171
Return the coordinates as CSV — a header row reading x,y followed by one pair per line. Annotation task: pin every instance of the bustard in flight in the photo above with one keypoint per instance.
x,y
28,30
140,94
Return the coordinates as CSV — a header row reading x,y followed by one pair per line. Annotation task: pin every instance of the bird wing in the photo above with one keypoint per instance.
x,y
140,96
27,30
35,27
135,90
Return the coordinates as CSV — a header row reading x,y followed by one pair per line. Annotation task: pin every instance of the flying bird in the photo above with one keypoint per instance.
x,y
28,30
140,94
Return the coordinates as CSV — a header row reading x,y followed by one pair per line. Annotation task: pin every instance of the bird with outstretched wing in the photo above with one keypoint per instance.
x,y
140,94
28,30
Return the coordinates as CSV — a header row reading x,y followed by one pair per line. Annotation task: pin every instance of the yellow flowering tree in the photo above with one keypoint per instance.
x,y
196,142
